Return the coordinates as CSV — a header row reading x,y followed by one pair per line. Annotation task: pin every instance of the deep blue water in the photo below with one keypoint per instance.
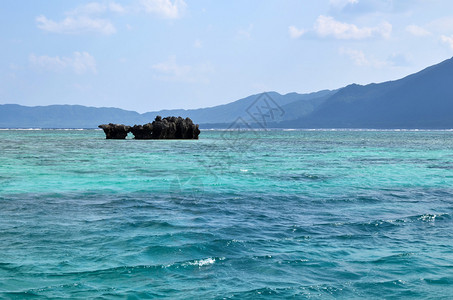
x,y
276,214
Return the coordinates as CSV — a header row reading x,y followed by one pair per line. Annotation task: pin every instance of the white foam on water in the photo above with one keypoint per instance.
x,y
203,262
427,218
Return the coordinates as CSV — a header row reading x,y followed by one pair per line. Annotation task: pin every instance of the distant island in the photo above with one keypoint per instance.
x,y
423,100
166,128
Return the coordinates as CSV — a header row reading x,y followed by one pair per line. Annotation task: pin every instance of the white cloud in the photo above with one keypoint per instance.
x,y
294,32
170,70
326,26
79,63
417,30
164,8
447,40
76,25
360,59
87,18
81,19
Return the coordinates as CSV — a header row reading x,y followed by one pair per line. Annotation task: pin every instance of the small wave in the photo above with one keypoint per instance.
x,y
298,291
139,268
433,217
441,167
440,281
260,292
394,258
202,262
390,223
301,177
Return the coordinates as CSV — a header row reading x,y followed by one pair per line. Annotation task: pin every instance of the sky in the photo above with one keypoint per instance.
x,y
147,55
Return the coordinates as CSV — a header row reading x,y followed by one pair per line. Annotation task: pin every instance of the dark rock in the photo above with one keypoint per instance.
x,y
142,132
167,128
115,131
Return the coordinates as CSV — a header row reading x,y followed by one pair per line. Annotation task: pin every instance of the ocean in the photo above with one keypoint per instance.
x,y
319,214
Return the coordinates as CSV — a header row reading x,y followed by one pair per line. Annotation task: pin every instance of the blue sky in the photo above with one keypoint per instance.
x,y
147,55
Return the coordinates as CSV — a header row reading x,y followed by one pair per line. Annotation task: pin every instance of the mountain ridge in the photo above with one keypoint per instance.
x,y
19,116
421,100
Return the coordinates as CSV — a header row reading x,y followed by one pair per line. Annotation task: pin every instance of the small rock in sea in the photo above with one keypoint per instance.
x,y
115,131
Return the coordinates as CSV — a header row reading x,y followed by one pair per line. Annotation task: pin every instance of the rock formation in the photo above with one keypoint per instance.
x,y
142,132
166,128
115,131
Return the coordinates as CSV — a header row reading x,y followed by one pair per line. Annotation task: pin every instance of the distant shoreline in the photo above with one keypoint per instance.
x,y
255,129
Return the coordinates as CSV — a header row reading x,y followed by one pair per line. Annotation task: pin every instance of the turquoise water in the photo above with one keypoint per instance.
x,y
277,214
